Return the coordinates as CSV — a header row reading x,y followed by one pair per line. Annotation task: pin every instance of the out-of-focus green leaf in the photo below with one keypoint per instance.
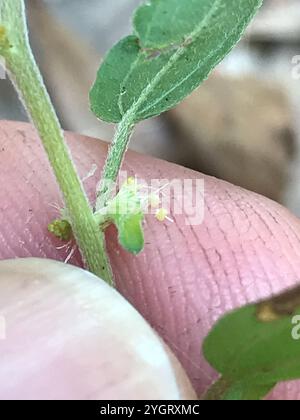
x,y
257,346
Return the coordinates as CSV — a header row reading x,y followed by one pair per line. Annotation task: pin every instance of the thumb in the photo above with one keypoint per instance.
x,y
70,336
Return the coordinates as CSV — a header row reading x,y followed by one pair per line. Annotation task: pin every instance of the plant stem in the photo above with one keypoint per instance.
x,y
27,79
114,159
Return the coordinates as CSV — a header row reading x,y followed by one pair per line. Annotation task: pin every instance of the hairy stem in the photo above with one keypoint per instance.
x,y
114,159
27,79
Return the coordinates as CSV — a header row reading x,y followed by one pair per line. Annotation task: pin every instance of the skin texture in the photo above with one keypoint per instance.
x,y
247,248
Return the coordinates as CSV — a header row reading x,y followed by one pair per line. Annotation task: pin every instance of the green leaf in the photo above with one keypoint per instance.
x,y
257,346
130,231
175,45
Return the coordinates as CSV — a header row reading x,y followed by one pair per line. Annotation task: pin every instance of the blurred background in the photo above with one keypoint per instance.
x,y
242,125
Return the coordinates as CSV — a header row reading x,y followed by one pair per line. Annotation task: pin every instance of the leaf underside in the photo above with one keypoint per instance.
x,y
174,46
253,347
130,231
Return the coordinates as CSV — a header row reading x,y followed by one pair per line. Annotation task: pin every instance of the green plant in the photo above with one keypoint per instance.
x,y
255,347
143,75
174,46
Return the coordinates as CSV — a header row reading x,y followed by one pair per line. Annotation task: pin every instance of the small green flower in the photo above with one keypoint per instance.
x,y
127,211
61,229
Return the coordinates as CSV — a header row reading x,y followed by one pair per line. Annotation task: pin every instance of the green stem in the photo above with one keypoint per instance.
x,y
26,77
114,159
